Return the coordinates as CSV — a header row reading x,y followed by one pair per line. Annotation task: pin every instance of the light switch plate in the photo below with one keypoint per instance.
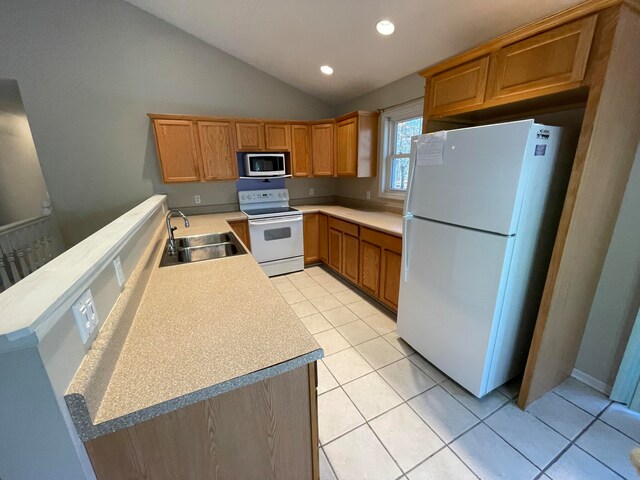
x,y
86,315
117,265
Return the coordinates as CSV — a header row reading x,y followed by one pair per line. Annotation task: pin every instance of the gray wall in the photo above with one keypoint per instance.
x,y
90,70
22,187
617,299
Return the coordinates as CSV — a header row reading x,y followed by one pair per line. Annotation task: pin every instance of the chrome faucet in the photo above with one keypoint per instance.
x,y
170,229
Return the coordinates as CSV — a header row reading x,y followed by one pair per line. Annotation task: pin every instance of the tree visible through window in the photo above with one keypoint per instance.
x,y
398,157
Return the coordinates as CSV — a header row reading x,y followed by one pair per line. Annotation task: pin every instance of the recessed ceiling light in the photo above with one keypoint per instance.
x,y
326,69
385,27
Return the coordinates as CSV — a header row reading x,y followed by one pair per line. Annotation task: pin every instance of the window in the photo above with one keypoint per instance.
x,y
397,126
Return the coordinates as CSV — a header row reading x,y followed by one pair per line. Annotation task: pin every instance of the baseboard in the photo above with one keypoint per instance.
x,y
592,382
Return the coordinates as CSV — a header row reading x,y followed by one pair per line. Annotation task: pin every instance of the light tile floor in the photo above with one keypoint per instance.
x,y
386,413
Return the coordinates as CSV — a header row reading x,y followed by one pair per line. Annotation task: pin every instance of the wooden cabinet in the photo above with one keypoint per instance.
x,y
460,87
322,157
277,136
217,151
356,144
241,229
177,150
380,264
344,248
250,135
268,429
554,60
323,232
300,151
311,238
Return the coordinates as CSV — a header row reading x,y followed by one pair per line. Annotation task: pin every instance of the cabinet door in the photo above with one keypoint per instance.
x,y
370,267
322,149
350,256
555,60
311,246
241,229
335,249
300,151
217,151
390,276
347,147
458,88
250,136
177,150
323,231
277,137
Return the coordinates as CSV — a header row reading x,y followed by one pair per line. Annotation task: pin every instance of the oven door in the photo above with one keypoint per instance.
x,y
264,164
276,238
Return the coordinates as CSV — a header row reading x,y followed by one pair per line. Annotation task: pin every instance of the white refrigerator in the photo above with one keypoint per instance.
x,y
480,216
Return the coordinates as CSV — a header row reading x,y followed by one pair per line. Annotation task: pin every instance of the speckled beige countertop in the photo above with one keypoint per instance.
x,y
383,221
201,329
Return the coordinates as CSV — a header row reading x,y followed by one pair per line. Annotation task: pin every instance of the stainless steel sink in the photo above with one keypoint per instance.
x,y
203,247
201,240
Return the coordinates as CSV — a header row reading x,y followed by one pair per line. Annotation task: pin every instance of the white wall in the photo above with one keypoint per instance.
x,y
90,70
618,295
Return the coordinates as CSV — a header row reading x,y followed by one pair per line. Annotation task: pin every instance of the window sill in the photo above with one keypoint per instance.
x,y
392,196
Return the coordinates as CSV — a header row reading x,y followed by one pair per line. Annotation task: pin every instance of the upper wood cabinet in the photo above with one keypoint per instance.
x,y
460,87
177,150
555,60
322,157
300,151
217,151
277,136
356,144
250,136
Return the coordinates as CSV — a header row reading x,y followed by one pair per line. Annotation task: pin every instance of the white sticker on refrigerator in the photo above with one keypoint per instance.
x,y
430,149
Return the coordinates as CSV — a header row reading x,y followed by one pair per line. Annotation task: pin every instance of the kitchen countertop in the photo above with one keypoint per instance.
x,y
201,329
383,221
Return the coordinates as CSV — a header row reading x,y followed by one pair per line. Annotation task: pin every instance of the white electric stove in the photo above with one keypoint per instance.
x,y
275,230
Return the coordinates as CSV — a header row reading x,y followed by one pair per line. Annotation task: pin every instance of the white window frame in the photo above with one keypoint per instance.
x,y
386,145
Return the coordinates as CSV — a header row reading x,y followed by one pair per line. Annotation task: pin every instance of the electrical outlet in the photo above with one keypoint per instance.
x,y
312,192
196,199
86,315
368,195
117,265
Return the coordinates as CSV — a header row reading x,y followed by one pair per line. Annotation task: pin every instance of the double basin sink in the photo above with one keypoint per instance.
x,y
203,247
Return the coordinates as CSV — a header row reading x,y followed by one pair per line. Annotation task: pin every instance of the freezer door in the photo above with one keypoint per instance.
x,y
477,185
451,293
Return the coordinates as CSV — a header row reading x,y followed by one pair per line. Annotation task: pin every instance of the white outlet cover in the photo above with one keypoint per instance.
x,y
311,192
196,198
86,315
117,265
368,195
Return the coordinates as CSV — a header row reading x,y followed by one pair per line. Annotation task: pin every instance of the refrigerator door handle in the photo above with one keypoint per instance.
x,y
405,244
412,168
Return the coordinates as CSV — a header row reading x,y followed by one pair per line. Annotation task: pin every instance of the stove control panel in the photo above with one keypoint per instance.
x,y
263,196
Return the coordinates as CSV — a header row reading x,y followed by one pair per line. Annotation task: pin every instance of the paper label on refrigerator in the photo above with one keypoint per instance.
x,y
430,149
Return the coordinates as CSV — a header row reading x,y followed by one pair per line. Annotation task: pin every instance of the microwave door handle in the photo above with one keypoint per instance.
x,y
273,222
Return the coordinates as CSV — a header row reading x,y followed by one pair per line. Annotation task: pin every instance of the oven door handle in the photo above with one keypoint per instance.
x,y
273,222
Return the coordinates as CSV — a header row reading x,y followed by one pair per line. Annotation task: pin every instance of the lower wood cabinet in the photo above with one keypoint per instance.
x,y
311,238
368,258
323,232
380,264
268,429
241,229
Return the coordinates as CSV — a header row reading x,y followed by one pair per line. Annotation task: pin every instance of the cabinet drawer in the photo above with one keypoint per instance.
x,y
555,60
341,225
384,240
460,87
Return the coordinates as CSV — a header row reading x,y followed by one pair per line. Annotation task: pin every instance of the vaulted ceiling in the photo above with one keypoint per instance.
x,y
291,39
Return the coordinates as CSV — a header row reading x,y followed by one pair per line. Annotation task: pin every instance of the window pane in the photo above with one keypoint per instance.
x,y
399,173
404,131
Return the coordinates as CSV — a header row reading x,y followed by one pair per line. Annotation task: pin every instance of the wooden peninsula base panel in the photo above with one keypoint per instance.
x,y
267,430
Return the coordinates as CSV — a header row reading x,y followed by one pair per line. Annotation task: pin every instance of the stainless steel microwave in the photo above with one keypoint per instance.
x,y
264,164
